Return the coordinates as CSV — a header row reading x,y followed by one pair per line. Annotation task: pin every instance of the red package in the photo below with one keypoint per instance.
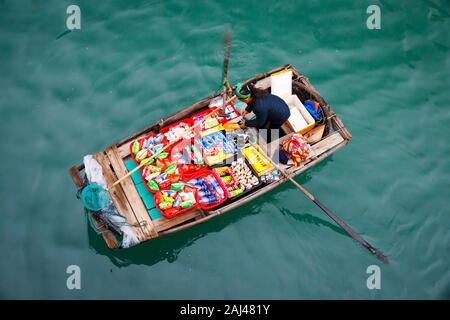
x,y
173,178
164,184
171,213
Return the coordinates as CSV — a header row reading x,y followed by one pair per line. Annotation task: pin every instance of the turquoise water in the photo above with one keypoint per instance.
x,y
67,95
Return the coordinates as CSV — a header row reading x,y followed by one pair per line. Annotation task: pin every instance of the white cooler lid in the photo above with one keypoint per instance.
x,y
281,83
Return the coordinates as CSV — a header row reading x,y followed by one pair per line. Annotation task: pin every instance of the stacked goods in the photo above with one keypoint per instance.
x,y
160,176
297,147
143,148
241,137
239,178
244,176
271,176
229,181
216,148
177,200
178,175
204,120
231,113
179,129
187,152
210,190
256,159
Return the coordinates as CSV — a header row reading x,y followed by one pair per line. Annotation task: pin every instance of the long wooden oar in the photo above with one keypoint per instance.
x,y
339,222
226,58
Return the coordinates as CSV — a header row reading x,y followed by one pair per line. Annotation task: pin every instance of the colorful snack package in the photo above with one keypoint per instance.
x,y
171,212
174,178
187,196
151,176
169,193
177,201
142,154
158,147
167,198
236,192
136,147
187,204
153,185
161,177
147,161
162,155
164,205
177,186
164,184
171,169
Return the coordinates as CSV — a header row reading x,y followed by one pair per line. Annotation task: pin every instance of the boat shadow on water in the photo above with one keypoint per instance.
x,y
169,247
166,248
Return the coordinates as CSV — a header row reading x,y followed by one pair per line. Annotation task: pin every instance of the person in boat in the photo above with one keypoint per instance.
x,y
271,111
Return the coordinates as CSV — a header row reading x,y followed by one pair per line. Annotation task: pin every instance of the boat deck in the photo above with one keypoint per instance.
x,y
130,204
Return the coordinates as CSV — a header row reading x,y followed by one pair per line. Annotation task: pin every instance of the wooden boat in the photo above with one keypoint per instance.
x,y
125,195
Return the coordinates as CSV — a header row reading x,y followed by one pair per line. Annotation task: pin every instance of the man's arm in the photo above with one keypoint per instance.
x,y
261,118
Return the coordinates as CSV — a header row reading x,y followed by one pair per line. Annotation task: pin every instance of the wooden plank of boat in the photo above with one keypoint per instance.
x,y
131,193
118,196
327,143
162,223
108,236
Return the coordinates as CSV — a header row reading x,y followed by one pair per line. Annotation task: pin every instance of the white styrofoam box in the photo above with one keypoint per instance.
x,y
281,83
300,120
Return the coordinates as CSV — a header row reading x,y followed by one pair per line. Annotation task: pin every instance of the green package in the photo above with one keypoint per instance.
x,y
153,185
164,205
177,186
162,155
171,169
187,204
236,192
136,147
147,161
226,179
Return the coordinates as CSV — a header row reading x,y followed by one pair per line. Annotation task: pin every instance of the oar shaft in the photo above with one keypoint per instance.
x,y
142,164
336,219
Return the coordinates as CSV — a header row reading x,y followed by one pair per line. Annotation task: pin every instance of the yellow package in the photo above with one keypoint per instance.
x,y
210,122
231,126
212,130
257,160
215,159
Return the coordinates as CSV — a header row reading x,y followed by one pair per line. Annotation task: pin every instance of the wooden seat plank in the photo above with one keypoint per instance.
x,y
118,197
131,192
326,144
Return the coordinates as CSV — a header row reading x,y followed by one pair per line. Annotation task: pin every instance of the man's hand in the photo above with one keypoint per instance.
x,y
244,113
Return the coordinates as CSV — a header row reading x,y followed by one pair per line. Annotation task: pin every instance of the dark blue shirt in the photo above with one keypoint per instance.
x,y
269,108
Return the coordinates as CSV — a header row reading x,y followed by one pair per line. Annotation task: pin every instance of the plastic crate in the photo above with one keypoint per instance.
x,y
168,215
232,174
202,174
